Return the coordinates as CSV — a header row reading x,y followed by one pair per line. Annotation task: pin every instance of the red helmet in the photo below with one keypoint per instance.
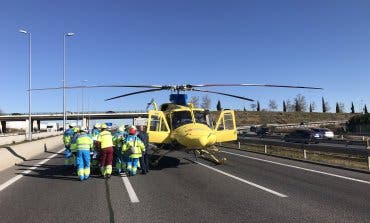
x,y
132,131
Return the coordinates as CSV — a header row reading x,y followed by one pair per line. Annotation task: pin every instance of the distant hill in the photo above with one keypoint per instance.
x,y
265,117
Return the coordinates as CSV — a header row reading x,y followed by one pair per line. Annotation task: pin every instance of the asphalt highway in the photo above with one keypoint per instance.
x,y
248,188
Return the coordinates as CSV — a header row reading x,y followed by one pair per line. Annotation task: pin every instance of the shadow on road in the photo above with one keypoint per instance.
x,y
14,153
165,162
48,171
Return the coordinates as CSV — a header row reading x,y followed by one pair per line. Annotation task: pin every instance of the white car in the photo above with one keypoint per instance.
x,y
324,133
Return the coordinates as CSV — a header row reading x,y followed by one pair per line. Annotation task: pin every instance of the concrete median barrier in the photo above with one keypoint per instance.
x,y
16,154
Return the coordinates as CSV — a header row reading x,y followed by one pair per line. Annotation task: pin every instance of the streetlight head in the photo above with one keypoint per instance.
x,y
23,31
69,34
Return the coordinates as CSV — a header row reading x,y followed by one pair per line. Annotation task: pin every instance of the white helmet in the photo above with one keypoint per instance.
x,y
121,128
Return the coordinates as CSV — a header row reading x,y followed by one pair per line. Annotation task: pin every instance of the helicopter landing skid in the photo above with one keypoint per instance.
x,y
212,154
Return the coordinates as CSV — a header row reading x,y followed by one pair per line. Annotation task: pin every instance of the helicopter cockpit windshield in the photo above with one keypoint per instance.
x,y
202,117
180,118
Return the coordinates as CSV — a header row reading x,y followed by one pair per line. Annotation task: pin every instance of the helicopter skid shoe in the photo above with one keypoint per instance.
x,y
212,155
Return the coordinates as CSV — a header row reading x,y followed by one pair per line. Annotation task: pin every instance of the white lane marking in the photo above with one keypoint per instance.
x,y
16,178
130,189
300,168
242,180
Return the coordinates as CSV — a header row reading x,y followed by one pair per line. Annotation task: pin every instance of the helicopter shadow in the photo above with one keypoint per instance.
x,y
48,171
165,163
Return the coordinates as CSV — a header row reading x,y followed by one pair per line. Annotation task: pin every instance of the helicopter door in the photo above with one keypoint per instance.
x,y
158,130
225,127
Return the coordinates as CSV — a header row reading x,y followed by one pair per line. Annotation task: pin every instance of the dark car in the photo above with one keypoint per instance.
x,y
303,136
262,131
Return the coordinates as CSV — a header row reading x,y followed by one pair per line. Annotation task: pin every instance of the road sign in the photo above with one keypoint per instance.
x,y
140,121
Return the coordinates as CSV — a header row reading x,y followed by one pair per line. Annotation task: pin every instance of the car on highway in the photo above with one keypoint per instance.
x,y
262,131
302,136
324,133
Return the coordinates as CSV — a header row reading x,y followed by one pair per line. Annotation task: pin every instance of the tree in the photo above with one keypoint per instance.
x,y
365,110
253,106
284,106
312,106
300,104
337,108
218,106
206,102
289,106
324,109
272,105
195,101
258,106
244,109
352,108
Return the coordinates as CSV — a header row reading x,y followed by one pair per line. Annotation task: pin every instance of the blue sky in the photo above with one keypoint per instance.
x,y
313,43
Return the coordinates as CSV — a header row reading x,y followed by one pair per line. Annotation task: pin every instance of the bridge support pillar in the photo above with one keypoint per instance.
x,y
27,126
38,125
3,126
84,123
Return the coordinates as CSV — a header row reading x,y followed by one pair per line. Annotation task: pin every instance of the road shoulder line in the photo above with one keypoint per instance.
x,y
300,168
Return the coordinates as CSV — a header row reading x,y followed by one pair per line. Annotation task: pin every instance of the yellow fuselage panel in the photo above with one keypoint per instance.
x,y
194,135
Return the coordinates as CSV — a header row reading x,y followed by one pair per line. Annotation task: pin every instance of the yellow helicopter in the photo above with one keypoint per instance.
x,y
180,125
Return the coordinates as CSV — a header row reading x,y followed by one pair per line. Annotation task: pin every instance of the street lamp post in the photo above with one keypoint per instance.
x,y
64,78
83,85
29,84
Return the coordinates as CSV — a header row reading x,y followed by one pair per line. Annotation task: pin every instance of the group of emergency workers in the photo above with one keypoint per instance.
x,y
127,149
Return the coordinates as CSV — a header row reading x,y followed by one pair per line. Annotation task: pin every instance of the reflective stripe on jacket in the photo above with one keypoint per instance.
x,y
105,139
84,142
133,147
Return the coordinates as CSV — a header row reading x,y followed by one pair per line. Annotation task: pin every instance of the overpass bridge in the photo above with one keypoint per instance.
x,y
38,117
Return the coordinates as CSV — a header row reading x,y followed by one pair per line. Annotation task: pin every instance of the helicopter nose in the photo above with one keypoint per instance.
x,y
203,141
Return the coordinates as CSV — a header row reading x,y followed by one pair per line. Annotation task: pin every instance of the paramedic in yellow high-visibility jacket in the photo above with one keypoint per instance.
x,y
84,144
132,150
105,142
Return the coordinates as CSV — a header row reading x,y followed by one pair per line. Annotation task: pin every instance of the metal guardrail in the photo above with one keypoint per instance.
x,y
313,147
349,150
333,141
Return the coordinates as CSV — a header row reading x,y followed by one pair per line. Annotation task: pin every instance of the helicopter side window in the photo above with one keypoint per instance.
x,y
200,117
229,124
157,124
180,118
154,123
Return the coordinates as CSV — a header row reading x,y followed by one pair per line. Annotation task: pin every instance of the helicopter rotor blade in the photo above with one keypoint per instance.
x,y
133,93
99,86
225,94
254,85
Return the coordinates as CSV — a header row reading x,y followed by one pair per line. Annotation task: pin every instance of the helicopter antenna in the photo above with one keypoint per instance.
x,y
152,102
